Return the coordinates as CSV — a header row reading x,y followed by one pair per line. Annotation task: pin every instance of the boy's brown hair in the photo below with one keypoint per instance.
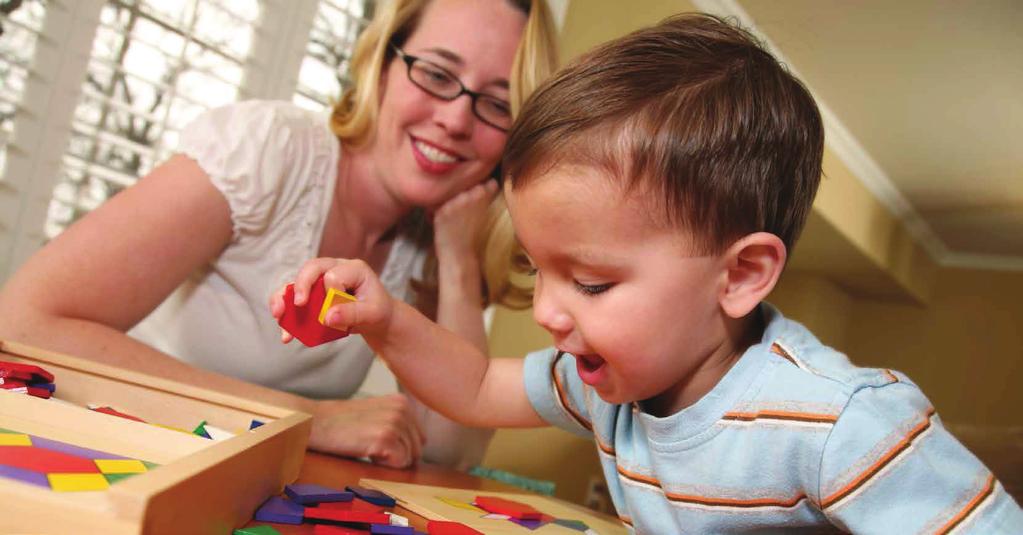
x,y
691,110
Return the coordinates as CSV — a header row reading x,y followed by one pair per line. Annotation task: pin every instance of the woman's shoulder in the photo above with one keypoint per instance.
x,y
249,118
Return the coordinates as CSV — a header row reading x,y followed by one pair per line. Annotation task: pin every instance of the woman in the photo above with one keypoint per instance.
x,y
259,187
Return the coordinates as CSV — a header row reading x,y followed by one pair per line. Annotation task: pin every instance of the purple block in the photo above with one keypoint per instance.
x,y
48,386
372,496
69,449
281,511
387,529
531,524
26,476
307,493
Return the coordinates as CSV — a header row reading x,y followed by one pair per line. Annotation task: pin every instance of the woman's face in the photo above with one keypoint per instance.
x,y
427,150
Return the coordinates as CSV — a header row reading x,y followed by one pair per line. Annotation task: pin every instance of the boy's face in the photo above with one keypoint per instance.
x,y
624,295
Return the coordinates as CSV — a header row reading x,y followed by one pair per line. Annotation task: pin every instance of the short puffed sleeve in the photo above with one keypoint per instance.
x,y
246,149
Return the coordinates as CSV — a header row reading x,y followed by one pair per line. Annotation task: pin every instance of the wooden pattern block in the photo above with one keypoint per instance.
x,y
77,482
334,296
302,322
354,505
45,461
387,529
120,466
307,493
372,496
326,529
12,439
257,530
24,372
322,514
502,506
441,527
281,511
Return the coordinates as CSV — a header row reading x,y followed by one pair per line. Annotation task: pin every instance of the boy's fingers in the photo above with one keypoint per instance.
x,y
286,336
310,271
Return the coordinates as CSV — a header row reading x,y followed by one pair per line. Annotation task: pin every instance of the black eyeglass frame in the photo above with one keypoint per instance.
x,y
474,96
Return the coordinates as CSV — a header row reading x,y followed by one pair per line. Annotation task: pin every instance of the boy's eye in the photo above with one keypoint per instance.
x,y
592,289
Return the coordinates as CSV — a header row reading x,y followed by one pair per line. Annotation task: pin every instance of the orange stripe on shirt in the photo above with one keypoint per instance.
x,y
781,415
874,469
563,398
974,504
708,501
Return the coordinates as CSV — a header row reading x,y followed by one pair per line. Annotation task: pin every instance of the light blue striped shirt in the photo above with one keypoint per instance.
x,y
794,438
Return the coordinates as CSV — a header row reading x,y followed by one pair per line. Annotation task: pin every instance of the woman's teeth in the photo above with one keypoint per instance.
x,y
434,154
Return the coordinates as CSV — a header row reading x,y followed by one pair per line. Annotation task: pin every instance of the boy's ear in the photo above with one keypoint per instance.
x,y
753,265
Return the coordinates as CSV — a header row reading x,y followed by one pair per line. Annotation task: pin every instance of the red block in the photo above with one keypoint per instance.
x,y
323,529
514,509
24,372
112,412
45,461
304,322
440,527
354,505
340,515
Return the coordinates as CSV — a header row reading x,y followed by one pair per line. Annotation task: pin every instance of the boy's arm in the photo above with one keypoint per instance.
x,y
451,375
438,367
889,465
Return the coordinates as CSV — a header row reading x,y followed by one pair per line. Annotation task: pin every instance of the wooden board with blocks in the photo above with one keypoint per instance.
x,y
456,505
114,452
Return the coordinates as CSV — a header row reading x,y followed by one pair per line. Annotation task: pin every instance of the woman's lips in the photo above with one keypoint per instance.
x,y
433,159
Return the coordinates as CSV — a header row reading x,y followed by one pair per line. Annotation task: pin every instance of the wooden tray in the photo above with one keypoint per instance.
x,y
201,486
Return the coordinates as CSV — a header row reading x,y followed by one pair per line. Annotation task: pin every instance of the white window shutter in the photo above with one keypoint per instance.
x,y
41,126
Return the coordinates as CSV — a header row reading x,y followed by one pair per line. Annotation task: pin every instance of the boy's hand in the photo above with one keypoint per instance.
x,y
372,310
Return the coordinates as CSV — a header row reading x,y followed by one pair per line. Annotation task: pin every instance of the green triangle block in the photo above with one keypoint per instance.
x,y
114,478
149,465
9,432
257,530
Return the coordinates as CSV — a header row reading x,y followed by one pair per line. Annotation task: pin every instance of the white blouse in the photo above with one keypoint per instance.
x,y
276,164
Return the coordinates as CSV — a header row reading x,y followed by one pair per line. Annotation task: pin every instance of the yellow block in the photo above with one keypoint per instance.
x,y
11,439
77,482
120,466
329,302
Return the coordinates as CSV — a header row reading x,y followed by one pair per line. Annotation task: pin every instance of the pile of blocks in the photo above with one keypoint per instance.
x,y
26,379
355,510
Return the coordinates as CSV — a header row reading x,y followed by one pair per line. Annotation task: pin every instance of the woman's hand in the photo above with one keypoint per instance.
x,y
372,310
383,429
458,222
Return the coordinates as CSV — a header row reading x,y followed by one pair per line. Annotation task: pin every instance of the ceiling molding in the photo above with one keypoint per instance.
x,y
863,166
983,261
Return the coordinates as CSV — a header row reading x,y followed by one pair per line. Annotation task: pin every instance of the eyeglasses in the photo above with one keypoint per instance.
x,y
440,83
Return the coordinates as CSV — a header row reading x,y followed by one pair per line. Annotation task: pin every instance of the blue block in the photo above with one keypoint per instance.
x,y
305,494
281,511
387,529
372,496
254,424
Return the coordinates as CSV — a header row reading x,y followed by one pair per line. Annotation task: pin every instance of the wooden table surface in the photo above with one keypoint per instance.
x,y
336,472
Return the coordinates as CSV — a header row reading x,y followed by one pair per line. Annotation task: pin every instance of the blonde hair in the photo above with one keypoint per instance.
x,y
353,121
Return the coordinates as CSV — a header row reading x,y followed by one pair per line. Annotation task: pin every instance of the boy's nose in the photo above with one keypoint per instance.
x,y
548,314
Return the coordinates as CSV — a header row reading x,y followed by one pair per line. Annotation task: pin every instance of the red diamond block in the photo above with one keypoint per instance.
x,y
514,509
340,515
303,322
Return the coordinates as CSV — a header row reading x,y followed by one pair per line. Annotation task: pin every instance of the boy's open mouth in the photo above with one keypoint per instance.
x,y
591,368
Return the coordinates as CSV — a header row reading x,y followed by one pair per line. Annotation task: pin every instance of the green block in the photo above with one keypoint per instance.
x,y
114,478
257,530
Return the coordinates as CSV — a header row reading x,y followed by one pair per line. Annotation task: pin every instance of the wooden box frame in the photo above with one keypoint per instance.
x,y
201,486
